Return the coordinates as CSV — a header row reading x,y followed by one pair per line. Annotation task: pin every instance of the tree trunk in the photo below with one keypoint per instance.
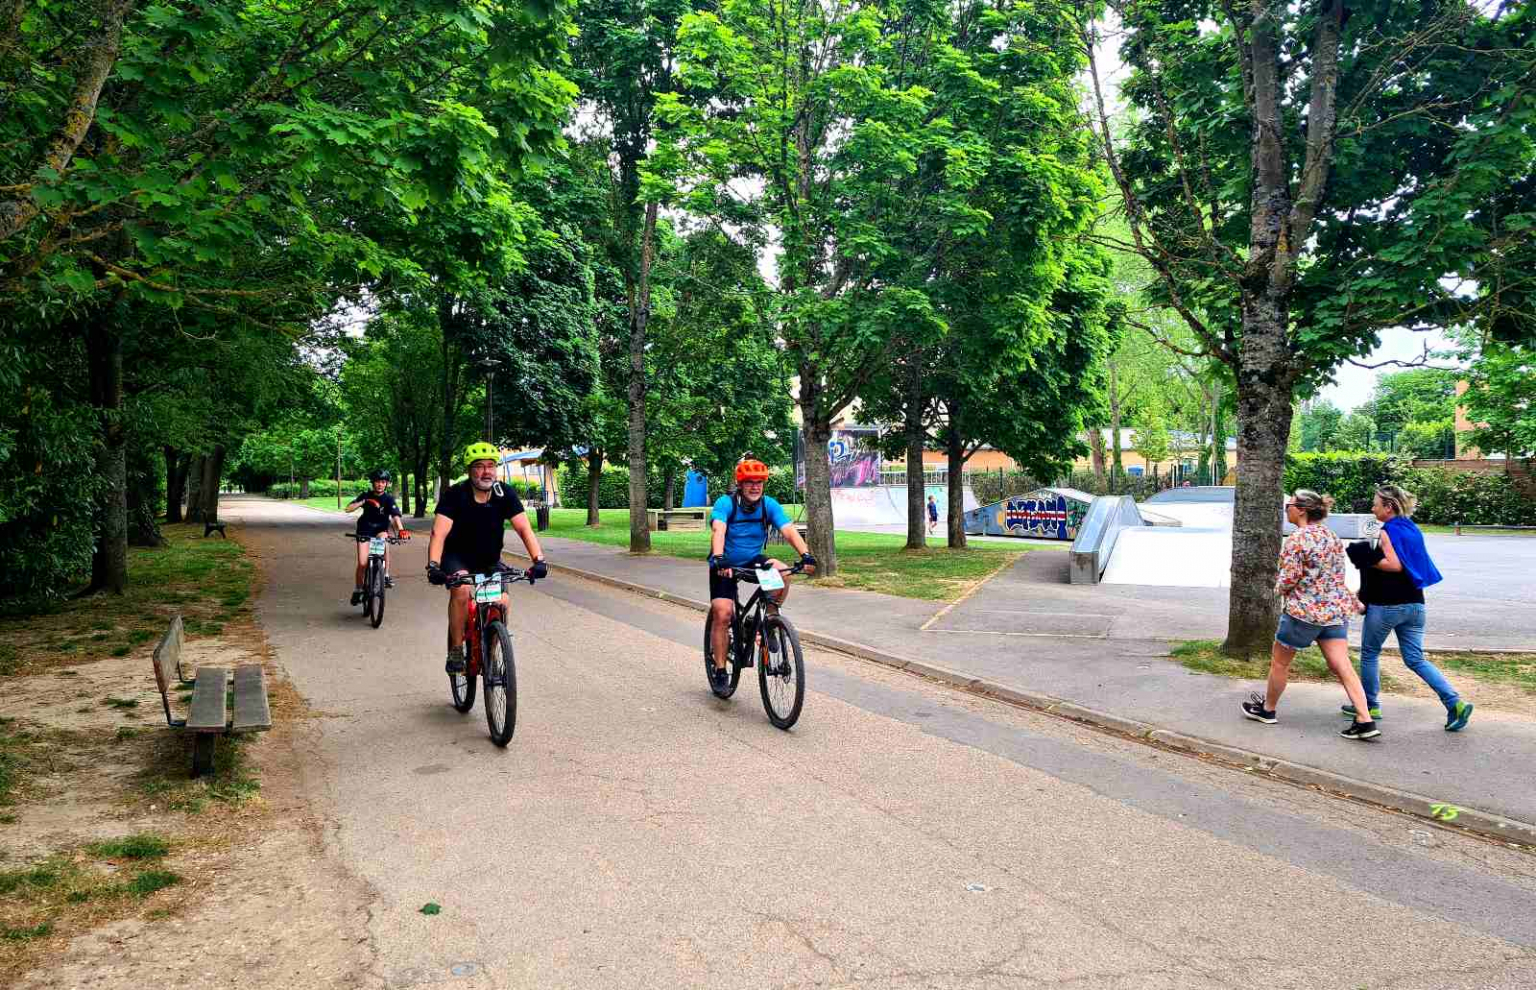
x,y
213,467
669,492
405,491
594,482
423,473
109,562
818,481
445,320
1096,445
917,524
955,452
175,484
639,316
303,488
143,488
1117,471
195,488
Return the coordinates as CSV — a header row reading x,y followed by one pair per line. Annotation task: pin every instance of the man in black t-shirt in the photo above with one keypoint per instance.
x,y
467,535
380,515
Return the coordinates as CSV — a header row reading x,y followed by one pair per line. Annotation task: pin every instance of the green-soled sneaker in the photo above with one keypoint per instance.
x,y
1348,711
1457,719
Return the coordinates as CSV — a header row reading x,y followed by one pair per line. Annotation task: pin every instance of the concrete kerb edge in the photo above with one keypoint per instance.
x,y
1470,819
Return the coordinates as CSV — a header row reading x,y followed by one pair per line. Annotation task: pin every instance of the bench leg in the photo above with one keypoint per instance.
x,y
202,753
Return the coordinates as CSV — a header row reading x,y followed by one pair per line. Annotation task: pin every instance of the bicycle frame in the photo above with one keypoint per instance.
x,y
756,603
478,616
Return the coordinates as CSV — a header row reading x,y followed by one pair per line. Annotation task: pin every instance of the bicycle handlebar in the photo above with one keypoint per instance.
x,y
749,573
365,539
509,575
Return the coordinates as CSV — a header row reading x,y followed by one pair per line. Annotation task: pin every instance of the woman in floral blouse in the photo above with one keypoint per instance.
x,y
1316,608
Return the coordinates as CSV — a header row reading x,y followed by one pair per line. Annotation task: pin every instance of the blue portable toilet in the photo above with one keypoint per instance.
x,y
695,490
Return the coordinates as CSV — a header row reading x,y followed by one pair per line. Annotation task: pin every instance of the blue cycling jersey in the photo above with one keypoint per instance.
x,y
746,535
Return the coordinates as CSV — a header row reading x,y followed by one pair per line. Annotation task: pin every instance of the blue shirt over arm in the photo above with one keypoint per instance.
x,y
747,536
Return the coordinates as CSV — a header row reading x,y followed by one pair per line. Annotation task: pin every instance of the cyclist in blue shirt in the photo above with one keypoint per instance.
x,y
740,525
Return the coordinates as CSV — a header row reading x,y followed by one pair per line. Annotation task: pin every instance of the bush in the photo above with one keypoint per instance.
x,y
613,488
1445,496
318,488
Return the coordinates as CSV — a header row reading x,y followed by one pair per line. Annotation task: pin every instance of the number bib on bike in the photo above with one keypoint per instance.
x,y
376,547
487,589
769,580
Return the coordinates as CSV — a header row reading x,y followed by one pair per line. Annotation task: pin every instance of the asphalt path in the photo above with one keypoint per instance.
x,y
639,833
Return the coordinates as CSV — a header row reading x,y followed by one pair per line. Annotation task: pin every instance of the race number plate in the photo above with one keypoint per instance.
x,y
487,589
768,579
376,547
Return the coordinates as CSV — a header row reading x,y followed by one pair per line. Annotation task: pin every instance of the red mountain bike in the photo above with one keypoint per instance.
x,y
488,652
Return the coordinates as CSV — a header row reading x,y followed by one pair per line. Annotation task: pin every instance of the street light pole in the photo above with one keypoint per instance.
x,y
338,466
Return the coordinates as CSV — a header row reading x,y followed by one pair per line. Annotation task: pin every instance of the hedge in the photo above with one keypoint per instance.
x,y
318,488
1445,496
613,487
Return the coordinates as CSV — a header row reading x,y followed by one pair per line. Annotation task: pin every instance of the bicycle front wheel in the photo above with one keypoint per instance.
x,y
500,673
376,583
723,686
781,672
461,687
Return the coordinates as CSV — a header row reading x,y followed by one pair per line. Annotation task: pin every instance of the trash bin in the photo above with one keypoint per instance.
x,y
541,517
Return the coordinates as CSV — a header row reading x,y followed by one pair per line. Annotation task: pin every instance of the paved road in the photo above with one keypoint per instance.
x,y
638,833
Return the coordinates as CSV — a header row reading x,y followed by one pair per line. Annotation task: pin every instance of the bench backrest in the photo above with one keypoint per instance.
x,y
167,659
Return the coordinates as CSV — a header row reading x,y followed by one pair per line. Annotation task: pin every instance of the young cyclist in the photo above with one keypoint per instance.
x,y
380,515
740,525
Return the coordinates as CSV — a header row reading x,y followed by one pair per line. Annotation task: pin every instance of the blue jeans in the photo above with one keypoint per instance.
x,y
1408,622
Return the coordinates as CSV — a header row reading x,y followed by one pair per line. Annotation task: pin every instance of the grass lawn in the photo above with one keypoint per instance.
x,y
866,561
1515,669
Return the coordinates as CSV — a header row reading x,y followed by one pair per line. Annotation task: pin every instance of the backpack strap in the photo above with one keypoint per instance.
x,y
736,503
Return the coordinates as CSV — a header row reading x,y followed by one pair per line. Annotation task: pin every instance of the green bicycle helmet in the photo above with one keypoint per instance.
x,y
480,451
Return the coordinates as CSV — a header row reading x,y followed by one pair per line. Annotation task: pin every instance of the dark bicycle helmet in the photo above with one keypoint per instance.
x,y
379,475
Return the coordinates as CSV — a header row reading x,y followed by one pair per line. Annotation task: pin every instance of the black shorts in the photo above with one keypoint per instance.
x,y
725,587
363,530
452,563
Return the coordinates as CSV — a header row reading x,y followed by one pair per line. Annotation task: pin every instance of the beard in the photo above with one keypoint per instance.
x,y
483,484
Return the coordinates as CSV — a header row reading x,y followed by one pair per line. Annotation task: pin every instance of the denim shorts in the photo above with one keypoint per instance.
x,y
1298,635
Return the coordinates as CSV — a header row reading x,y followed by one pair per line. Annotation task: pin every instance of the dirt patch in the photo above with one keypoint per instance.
x,y
117,870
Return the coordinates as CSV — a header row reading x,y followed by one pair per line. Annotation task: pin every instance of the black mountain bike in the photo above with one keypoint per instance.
x,y
488,652
373,578
760,635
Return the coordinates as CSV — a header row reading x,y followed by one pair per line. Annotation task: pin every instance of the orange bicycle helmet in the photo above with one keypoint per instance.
x,y
751,470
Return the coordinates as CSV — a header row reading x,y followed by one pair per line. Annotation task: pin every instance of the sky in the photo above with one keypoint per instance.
x,y
1352,384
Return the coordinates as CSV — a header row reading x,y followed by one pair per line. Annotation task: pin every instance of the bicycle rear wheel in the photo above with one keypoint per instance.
x,y
462,689
376,582
500,672
725,686
781,672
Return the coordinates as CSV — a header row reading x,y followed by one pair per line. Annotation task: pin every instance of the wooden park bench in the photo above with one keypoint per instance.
x,y
670,519
774,536
206,719
212,525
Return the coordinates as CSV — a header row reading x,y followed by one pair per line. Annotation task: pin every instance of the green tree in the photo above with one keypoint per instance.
x,y
818,122
626,57
1500,399
1152,441
1300,179
1357,432
1319,426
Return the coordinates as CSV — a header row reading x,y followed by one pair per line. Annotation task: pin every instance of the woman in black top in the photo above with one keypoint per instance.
x,y
1392,579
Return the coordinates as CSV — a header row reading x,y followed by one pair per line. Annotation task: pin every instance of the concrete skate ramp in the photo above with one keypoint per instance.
x,y
1174,557
1195,515
1179,558
885,505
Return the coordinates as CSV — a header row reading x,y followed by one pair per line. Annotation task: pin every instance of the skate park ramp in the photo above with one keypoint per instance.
x,y
885,505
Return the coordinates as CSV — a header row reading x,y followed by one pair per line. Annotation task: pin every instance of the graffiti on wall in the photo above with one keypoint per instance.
x,y
853,461
1044,514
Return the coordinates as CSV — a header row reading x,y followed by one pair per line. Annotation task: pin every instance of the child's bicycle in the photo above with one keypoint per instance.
x,y
488,652
761,634
373,578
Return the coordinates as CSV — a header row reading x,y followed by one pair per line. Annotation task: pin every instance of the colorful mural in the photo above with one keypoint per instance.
x,y
1045,513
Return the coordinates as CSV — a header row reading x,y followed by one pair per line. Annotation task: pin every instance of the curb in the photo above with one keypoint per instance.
x,y
1469,819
